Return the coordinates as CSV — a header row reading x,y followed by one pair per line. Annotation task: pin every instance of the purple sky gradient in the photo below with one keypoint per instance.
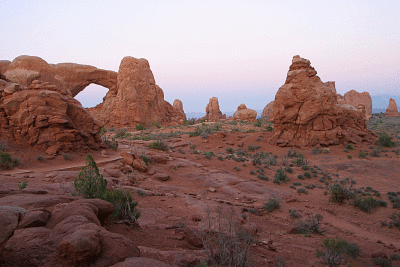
x,y
238,51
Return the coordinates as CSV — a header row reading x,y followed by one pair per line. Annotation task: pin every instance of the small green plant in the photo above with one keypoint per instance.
x,y
295,214
272,204
311,225
280,176
140,127
157,124
6,161
349,147
121,133
307,175
302,190
337,252
383,262
316,151
395,257
159,144
368,204
66,156
386,141
40,158
280,262
230,150
102,130
258,123
349,156
339,193
111,143
209,154
362,154
145,159
376,153
23,185
236,168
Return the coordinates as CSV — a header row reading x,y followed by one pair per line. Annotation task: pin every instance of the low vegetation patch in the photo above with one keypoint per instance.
x,y
337,252
6,161
159,144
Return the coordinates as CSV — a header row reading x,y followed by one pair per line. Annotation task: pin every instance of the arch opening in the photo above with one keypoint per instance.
x,y
92,95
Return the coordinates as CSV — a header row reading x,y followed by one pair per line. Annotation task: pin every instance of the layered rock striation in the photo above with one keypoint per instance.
x,y
306,112
392,111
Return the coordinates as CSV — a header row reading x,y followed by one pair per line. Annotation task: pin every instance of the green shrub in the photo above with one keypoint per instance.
x,y
302,190
6,161
66,156
368,204
230,150
383,262
102,130
145,159
111,143
272,204
349,156
3,145
139,127
258,123
23,185
159,144
311,225
349,147
376,153
362,154
336,253
157,124
307,175
40,158
121,133
295,214
386,141
339,193
280,176
209,154
124,207
316,151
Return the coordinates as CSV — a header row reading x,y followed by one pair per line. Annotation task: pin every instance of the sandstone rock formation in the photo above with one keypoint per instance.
x,y
4,66
179,106
73,236
136,99
245,114
267,110
43,115
306,112
213,113
331,86
354,98
77,77
392,111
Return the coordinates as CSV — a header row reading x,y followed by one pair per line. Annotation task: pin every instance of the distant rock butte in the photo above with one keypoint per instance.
x,y
354,98
267,110
306,112
392,111
179,106
245,114
213,113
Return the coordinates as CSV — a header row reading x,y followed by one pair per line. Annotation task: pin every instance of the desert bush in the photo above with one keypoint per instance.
x,y
159,144
23,185
311,225
349,156
386,141
258,123
228,245
139,127
395,257
349,147
124,207
110,143
337,252
376,153
40,158
368,204
121,133
280,176
339,193
269,127
383,262
209,154
280,262
272,204
102,130
145,159
307,175
230,150
316,151
66,156
295,214
6,161
253,148
362,154
394,220
302,191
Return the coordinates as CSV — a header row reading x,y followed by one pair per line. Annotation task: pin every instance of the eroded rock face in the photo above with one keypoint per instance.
x,y
77,77
4,64
306,112
392,111
179,106
136,99
267,110
46,117
354,98
245,114
213,113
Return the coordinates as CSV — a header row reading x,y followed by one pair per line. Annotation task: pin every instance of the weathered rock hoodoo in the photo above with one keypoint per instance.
x,y
392,111
267,110
136,99
245,114
36,109
306,112
179,106
355,98
213,113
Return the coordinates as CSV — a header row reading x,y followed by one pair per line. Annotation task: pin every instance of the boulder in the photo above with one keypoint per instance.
x,y
35,218
179,107
9,219
306,112
136,99
392,111
355,98
133,160
212,111
245,114
267,110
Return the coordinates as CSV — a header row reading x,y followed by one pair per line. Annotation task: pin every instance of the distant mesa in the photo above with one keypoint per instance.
x,y
354,98
245,114
392,111
36,109
213,113
178,105
267,110
306,112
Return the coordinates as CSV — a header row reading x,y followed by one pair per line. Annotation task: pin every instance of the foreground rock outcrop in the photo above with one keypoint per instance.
x,y
245,114
306,112
213,113
355,98
392,111
36,109
267,110
179,107
136,99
